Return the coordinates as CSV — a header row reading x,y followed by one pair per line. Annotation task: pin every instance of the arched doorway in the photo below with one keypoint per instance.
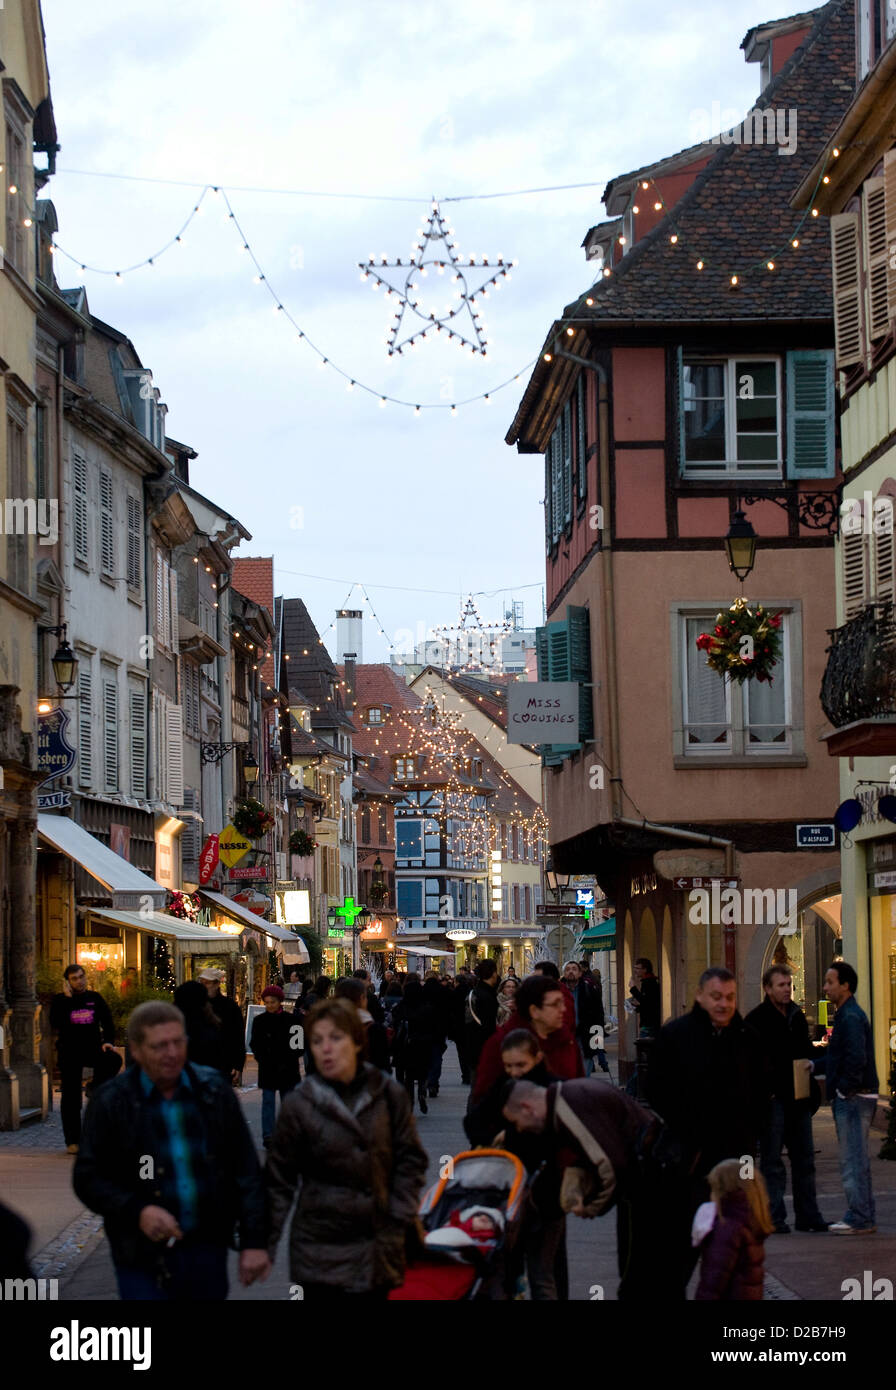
x,y
807,945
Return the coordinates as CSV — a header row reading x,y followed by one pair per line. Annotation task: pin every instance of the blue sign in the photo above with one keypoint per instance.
x,y
822,836
585,897
55,755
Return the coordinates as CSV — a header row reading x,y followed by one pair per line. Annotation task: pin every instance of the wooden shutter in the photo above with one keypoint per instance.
x,y
107,524
548,509
173,627
556,485
174,740
85,727
876,258
580,668
138,742
79,489
581,438
810,414
566,437
135,541
853,552
883,565
890,204
110,735
191,835
848,316
160,598
541,652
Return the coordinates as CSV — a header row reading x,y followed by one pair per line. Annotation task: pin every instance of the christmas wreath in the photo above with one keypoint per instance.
x,y
184,906
251,819
745,643
300,842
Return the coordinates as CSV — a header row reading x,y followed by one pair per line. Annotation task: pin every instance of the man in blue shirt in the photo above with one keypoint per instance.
x,y
167,1159
852,1088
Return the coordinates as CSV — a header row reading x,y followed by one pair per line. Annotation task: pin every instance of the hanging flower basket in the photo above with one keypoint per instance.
x,y
378,893
745,643
252,820
184,906
300,842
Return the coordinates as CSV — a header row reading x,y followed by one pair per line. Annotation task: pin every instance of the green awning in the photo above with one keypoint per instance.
x,y
601,936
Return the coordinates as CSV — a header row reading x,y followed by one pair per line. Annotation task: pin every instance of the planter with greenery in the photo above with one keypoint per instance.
x,y
301,843
251,818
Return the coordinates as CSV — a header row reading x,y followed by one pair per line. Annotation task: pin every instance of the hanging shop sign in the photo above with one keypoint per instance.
x,y
251,871
821,836
208,859
53,801
55,755
543,712
233,846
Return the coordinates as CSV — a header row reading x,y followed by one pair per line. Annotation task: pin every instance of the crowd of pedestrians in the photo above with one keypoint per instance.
x,y
693,1165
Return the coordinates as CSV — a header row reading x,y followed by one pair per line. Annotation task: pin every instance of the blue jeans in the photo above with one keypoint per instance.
x,y
435,1065
195,1273
790,1125
269,1111
853,1120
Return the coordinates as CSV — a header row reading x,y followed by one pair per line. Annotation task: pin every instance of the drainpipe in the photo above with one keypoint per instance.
x,y
60,501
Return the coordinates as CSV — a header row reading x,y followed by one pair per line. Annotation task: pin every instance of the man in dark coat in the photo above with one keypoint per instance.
x,y
481,1012
462,986
645,990
167,1160
784,1033
231,1016
589,1016
85,1038
852,1088
707,1080
274,1044
541,1004
602,1140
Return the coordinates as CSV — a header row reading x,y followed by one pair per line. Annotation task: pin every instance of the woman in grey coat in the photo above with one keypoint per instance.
x,y
347,1137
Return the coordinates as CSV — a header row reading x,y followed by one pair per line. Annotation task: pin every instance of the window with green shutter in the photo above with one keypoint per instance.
x,y
581,442
810,414
563,651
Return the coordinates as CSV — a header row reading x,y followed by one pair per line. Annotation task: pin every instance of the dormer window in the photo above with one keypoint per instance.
x,y
374,715
403,769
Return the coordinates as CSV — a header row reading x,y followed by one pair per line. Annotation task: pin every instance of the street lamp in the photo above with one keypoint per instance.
x,y
557,881
64,663
250,771
740,545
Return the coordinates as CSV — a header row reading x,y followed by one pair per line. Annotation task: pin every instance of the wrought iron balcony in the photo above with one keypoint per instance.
x,y
859,681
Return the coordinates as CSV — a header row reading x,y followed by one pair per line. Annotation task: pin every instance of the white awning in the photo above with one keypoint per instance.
x,y
176,929
295,952
128,887
423,951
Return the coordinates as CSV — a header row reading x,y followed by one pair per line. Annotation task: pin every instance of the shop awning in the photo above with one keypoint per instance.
x,y
601,936
295,952
423,950
177,929
127,886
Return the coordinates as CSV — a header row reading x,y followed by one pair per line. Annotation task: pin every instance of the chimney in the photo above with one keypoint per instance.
x,y
350,681
349,638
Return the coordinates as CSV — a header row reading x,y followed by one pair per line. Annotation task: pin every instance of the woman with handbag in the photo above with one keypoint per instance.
x,y
347,1135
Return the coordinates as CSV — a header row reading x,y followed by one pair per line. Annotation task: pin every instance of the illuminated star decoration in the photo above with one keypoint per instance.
x,y
425,256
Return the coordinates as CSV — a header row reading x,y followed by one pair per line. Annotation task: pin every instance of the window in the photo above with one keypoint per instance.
x,y
516,842
866,551
409,897
382,837
731,416
527,903
505,902
15,177
409,839
137,700
135,543
403,769
107,525
723,721
516,902
166,604
191,704
85,722
365,825
110,734
374,715
864,280
17,526
79,495
40,450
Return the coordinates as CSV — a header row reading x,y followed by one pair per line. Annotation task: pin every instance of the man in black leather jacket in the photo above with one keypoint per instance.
x,y
167,1160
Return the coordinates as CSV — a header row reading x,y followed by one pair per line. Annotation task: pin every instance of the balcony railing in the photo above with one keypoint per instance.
x,y
860,678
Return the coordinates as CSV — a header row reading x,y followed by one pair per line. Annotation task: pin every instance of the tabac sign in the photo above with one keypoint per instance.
x,y
543,712
55,755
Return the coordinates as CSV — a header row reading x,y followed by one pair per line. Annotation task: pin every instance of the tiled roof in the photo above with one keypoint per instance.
x,y
734,216
310,668
379,686
254,577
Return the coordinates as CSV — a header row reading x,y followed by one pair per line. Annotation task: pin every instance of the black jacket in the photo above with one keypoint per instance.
x,y
483,1004
850,1058
233,1029
271,1045
709,1087
536,1152
785,1039
647,996
589,1006
83,1022
117,1137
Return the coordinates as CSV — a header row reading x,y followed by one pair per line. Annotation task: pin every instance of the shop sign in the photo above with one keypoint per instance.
x,y
646,883
256,871
335,934
208,859
886,879
232,846
543,712
584,897
55,755
53,801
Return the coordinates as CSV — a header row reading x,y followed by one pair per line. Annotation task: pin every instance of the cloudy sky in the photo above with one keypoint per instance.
x,y
381,105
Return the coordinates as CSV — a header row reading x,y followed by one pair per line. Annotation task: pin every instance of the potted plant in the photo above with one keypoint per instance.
x,y
378,893
251,819
300,842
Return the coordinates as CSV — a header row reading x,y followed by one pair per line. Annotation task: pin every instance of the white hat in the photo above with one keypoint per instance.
x,y
210,973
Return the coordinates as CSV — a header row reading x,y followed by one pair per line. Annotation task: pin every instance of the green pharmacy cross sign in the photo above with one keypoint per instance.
x,y
349,912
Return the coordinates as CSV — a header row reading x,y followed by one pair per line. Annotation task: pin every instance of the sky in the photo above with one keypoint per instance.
x,y
382,105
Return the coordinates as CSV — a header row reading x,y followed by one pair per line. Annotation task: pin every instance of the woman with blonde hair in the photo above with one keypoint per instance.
x,y
731,1230
507,999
